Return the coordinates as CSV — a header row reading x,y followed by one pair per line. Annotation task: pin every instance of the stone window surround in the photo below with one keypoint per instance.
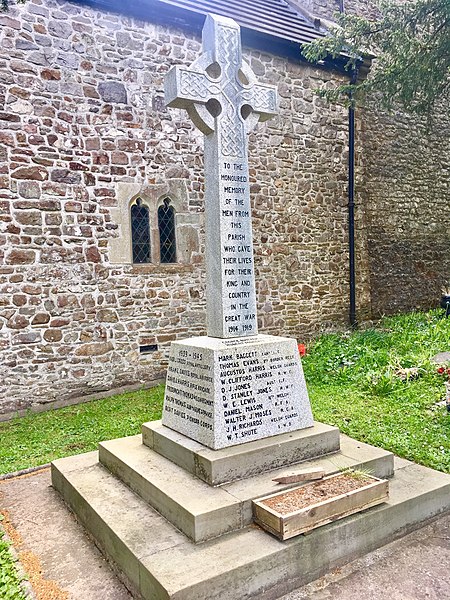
x,y
120,247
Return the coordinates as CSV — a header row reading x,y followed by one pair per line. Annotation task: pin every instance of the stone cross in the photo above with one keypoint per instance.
x,y
222,97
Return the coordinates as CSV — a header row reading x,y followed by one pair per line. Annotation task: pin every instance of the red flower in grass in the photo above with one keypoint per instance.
x,y
302,349
445,371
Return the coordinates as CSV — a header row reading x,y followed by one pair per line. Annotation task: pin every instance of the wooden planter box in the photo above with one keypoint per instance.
x,y
286,523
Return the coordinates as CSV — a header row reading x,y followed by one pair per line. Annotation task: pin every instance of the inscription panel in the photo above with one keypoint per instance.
x,y
235,391
189,395
257,393
237,269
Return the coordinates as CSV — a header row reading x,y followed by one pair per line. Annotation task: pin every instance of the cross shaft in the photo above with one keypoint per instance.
x,y
223,99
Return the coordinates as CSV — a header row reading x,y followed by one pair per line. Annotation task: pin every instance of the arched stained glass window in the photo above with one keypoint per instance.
x,y
166,226
140,232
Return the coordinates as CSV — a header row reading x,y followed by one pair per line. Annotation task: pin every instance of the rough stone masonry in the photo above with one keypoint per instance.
x,y
83,128
227,388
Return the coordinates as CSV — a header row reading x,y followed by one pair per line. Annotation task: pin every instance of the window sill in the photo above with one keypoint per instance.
x,y
161,268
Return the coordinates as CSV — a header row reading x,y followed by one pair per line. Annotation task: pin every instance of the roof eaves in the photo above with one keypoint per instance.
x,y
169,12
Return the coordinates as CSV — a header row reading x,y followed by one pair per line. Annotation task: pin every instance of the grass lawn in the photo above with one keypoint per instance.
x,y
40,438
352,384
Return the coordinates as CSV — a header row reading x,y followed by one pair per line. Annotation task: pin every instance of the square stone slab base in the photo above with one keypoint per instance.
x,y
222,393
159,562
217,467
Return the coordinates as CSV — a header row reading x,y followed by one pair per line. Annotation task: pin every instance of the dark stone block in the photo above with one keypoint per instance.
x,y
65,176
113,91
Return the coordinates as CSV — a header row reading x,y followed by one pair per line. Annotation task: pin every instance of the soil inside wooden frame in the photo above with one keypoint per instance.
x,y
314,493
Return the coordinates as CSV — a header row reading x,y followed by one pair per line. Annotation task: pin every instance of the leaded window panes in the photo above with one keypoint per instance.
x,y
140,232
166,225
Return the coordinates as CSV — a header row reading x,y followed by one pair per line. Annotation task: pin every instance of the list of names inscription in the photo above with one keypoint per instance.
x,y
256,391
189,389
253,386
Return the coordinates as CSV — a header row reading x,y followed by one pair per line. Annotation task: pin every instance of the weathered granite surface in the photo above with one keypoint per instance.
x,y
223,392
227,392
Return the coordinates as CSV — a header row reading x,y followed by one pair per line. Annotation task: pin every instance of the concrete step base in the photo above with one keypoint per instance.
x,y
204,512
237,462
161,563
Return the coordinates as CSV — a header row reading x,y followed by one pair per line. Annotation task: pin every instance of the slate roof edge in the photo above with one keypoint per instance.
x,y
191,20
319,23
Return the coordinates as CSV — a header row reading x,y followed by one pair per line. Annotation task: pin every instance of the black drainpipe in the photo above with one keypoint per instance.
x,y
351,206
351,196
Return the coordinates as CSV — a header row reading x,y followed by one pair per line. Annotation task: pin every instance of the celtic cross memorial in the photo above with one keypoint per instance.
x,y
223,99
231,386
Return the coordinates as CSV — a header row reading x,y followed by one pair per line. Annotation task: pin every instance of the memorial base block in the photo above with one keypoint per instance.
x,y
227,392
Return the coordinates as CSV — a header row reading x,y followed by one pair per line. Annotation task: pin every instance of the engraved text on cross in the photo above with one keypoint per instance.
x,y
225,102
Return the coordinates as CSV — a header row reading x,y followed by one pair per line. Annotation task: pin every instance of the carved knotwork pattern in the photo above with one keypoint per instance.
x,y
194,84
232,138
229,91
231,128
263,99
229,45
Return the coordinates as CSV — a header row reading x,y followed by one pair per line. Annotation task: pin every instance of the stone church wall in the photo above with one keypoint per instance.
x,y
402,192
84,131
405,196
82,118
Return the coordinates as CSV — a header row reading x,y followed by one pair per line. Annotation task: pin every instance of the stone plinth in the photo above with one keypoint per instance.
x,y
204,512
159,562
217,467
227,392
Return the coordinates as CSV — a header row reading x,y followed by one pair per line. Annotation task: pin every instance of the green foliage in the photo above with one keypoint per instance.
x,y
4,4
411,43
10,588
360,474
352,384
40,438
366,399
